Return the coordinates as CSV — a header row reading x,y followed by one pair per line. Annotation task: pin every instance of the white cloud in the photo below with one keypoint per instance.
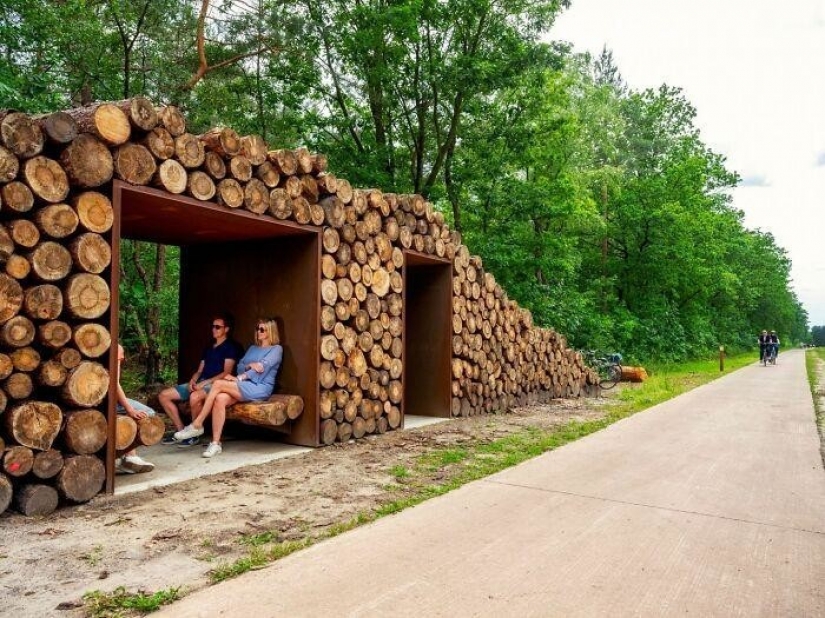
x,y
755,180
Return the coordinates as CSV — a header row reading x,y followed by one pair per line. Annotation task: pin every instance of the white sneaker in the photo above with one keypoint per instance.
x,y
136,464
188,432
120,469
213,449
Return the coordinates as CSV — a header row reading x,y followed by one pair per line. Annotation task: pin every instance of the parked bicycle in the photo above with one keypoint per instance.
x,y
608,366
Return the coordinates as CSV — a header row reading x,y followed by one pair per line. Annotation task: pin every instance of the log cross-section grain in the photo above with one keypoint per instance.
x,y
50,261
11,298
230,193
134,164
200,186
87,161
86,385
105,120
172,120
125,432
18,461
160,143
9,165
57,220
224,142
17,332
87,296
91,253
46,179
140,111
81,478
94,211
21,135
16,196
171,176
58,128
55,334
85,431
6,492
189,151
276,411
47,464
92,339
34,424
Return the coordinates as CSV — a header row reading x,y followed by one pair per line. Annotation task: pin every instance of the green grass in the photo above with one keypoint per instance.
x,y
119,602
813,357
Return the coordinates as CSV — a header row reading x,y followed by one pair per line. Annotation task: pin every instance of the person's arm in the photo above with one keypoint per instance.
x,y
194,380
243,366
123,400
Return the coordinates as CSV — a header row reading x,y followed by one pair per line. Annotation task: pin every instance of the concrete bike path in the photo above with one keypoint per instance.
x,y
711,504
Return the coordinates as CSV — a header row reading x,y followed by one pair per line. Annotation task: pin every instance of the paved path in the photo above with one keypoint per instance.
x,y
712,504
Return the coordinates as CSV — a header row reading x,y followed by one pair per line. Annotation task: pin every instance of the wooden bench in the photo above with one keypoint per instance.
x,y
276,413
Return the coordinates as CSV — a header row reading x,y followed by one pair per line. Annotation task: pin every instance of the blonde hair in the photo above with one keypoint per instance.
x,y
271,328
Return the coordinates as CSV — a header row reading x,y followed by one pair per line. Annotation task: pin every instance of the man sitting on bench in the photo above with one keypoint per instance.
x,y
218,359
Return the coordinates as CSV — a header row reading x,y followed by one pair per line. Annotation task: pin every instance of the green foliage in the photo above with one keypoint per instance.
x,y
596,206
818,335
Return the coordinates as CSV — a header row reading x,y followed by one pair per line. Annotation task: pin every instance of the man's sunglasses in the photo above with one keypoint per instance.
x,y
217,326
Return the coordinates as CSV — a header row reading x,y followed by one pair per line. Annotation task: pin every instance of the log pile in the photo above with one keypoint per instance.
x,y
55,253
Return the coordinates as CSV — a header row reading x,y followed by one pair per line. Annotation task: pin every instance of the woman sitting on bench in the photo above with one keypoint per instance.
x,y
257,373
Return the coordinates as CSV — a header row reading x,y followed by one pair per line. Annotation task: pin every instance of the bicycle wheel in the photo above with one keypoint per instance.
x,y
609,375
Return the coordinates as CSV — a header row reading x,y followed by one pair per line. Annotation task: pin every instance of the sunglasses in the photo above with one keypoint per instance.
x,y
218,326
262,329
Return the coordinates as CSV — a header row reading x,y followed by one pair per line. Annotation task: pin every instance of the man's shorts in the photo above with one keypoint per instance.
x,y
185,393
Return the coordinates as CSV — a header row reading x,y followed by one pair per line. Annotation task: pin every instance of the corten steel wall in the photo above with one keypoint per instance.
x,y
278,278
427,334
497,358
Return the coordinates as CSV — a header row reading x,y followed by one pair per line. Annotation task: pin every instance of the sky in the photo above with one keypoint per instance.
x,y
755,71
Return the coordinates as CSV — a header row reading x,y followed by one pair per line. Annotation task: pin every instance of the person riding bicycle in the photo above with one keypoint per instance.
x,y
763,344
773,342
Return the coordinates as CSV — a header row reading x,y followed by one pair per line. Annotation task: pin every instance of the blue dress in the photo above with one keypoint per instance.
x,y
259,386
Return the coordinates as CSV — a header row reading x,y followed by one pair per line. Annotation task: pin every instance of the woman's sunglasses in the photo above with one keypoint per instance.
x,y
262,329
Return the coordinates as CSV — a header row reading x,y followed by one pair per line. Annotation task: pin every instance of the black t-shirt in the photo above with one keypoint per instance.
x,y
214,357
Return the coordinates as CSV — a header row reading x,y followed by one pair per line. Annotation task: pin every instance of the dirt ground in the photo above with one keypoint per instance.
x,y
172,536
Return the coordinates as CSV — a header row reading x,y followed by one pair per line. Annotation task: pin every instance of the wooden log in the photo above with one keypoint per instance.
x,y
240,168
58,128
87,296
224,142
171,176
329,431
35,500
293,186
87,384
189,151
150,430
103,120
160,143
344,191
200,186
18,386
52,373
47,464
284,160
253,148
231,193
54,334
172,120
21,135
268,174
91,253
280,204
6,492
256,196
125,432
9,165
46,179
95,212
17,332
68,357
6,366
319,163
11,298
57,220
134,163
92,339
34,424
274,412
140,112
633,374
214,165
50,261
25,359
87,162
85,431
333,211
17,461
16,196
81,478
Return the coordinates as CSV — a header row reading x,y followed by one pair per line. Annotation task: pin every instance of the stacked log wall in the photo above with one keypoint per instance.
x,y
56,218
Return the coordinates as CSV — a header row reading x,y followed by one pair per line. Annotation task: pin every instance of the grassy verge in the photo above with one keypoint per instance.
x,y
444,469
814,359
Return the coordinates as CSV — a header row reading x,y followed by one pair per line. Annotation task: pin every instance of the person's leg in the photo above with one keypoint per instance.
x,y
219,415
169,397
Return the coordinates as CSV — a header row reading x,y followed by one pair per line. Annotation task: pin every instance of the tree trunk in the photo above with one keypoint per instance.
x,y
85,432
34,424
134,164
81,478
36,500
46,179
21,135
87,384
47,464
87,162
57,221
94,211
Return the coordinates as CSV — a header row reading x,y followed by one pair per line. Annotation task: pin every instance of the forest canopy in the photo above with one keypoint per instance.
x,y
596,205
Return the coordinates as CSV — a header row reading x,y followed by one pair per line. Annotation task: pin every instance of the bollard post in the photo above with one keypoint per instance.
x,y
721,358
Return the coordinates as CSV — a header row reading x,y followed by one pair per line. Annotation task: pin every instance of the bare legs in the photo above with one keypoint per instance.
x,y
224,393
168,398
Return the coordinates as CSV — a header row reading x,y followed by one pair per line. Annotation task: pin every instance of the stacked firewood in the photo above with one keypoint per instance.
x,y
55,260
55,247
